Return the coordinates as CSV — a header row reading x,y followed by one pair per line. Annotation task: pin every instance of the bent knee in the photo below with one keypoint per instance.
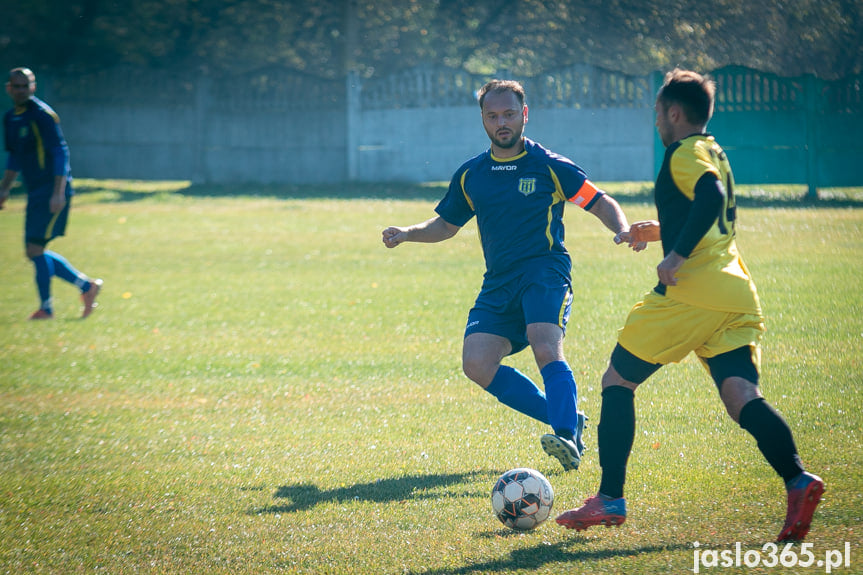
x,y
545,354
735,393
479,371
611,378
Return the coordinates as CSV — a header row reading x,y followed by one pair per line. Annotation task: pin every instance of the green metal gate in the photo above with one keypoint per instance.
x,y
777,130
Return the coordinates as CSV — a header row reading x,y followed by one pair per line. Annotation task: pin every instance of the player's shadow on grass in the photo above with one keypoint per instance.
x,y
303,496
541,554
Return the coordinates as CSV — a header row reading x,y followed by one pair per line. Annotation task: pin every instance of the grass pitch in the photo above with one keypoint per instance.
x,y
265,388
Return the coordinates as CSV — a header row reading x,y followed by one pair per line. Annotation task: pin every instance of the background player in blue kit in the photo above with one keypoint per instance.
x,y
38,150
517,190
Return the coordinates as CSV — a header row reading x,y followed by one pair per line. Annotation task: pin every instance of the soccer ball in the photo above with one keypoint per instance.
x,y
522,498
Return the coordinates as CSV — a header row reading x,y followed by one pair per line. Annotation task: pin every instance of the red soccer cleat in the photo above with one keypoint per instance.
x,y
804,494
41,314
89,297
595,511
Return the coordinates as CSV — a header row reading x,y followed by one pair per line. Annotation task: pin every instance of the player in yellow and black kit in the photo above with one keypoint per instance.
x,y
705,302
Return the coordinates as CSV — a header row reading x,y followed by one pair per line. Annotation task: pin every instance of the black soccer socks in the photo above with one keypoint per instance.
x,y
773,436
615,435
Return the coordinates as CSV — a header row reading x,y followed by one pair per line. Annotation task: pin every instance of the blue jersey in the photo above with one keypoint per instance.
x,y
36,146
518,203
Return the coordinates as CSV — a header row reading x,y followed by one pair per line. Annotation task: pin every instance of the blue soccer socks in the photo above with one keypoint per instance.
x,y
514,389
48,265
43,281
65,271
562,394
556,407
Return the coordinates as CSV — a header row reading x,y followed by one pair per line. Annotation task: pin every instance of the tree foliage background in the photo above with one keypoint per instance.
x,y
327,37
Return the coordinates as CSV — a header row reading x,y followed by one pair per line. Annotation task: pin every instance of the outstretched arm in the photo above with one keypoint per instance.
x,y
608,211
430,231
641,232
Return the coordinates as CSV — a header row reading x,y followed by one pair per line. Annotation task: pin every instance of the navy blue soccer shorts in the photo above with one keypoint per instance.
x,y
40,225
506,309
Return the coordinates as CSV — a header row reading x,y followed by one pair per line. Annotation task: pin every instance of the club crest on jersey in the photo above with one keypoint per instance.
x,y
527,186
23,132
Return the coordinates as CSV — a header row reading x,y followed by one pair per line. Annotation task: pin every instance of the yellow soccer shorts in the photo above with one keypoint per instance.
x,y
660,330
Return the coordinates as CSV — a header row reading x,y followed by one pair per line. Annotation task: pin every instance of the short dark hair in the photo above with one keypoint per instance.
x,y
499,87
692,91
24,72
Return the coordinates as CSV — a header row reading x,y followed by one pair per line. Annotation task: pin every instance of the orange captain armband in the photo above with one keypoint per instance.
x,y
585,194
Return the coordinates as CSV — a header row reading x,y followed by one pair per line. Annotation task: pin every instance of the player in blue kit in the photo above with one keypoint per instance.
x,y
38,150
517,190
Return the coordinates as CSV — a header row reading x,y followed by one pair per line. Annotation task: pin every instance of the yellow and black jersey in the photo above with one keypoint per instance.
x,y
696,209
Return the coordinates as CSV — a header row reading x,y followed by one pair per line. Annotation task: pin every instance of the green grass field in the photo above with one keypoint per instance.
x,y
265,388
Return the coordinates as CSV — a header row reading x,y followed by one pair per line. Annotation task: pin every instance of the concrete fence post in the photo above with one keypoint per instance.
x,y
811,111
200,141
353,93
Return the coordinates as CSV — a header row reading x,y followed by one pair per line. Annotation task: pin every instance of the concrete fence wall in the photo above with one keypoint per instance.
x,y
274,125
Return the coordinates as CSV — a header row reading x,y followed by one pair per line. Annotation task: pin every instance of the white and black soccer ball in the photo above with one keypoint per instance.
x,y
522,498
